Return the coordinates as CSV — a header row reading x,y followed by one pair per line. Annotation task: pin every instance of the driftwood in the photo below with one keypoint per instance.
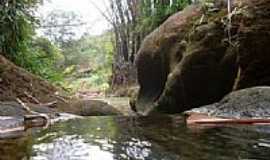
x,y
61,98
204,119
25,107
49,104
32,97
34,115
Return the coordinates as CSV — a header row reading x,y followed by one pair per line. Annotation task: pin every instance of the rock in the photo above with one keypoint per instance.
x,y
10,122
11,109
254,46
185,64
246,103
14,109
180,68
160,52
94,108
205,74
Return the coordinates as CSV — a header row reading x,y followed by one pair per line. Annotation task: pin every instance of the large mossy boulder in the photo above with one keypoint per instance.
x,y
205,74
254,43
160,52
196,57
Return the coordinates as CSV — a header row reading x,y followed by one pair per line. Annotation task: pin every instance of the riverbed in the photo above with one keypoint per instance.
x,y
142,138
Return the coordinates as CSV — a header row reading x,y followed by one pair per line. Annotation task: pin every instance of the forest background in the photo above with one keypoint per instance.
x,y
88,62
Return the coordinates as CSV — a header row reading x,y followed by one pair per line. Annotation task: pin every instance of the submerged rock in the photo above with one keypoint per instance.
x,y
246,103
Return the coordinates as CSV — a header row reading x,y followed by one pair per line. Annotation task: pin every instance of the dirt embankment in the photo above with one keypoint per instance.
x,y
16,82
39,95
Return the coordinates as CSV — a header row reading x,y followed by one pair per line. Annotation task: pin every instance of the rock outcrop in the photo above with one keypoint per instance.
x,y
161,51
197,57
254,43
246,103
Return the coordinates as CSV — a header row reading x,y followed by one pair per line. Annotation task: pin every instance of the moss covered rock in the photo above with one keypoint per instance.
x,y
196,57
161,51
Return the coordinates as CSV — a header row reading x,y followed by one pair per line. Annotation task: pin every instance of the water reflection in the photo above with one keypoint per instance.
x,y
103,138
15,149
144,138
70,148
137,149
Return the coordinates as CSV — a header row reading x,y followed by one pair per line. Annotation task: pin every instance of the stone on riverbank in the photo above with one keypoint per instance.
x,y
246,103
94,108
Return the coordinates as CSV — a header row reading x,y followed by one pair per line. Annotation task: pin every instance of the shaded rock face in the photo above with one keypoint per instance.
x,y
161,51
190,60
254,49
195,69
246,103
205,74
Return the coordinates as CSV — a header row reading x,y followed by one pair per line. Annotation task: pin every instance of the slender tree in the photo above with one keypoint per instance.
x,y
132,20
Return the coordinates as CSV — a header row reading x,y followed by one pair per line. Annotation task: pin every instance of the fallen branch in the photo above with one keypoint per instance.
x,y
61,98
35,114
32,97
50,104
25,107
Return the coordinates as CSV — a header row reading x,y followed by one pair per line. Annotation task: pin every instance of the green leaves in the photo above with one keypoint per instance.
x,y
153,13
17,23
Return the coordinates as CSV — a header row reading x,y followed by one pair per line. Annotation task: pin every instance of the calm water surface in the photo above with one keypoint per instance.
x,y
145,138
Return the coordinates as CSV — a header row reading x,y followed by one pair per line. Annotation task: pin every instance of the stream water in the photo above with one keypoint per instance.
x,y
144,138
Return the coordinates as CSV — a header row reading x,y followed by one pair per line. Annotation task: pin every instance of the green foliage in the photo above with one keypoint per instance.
x,y
88,62
44,59
153,14
17,23
19,44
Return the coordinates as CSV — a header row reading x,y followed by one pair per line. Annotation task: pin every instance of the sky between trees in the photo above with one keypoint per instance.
x,y
95,22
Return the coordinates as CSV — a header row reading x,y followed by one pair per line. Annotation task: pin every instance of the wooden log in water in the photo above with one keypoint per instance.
x,y
204,119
